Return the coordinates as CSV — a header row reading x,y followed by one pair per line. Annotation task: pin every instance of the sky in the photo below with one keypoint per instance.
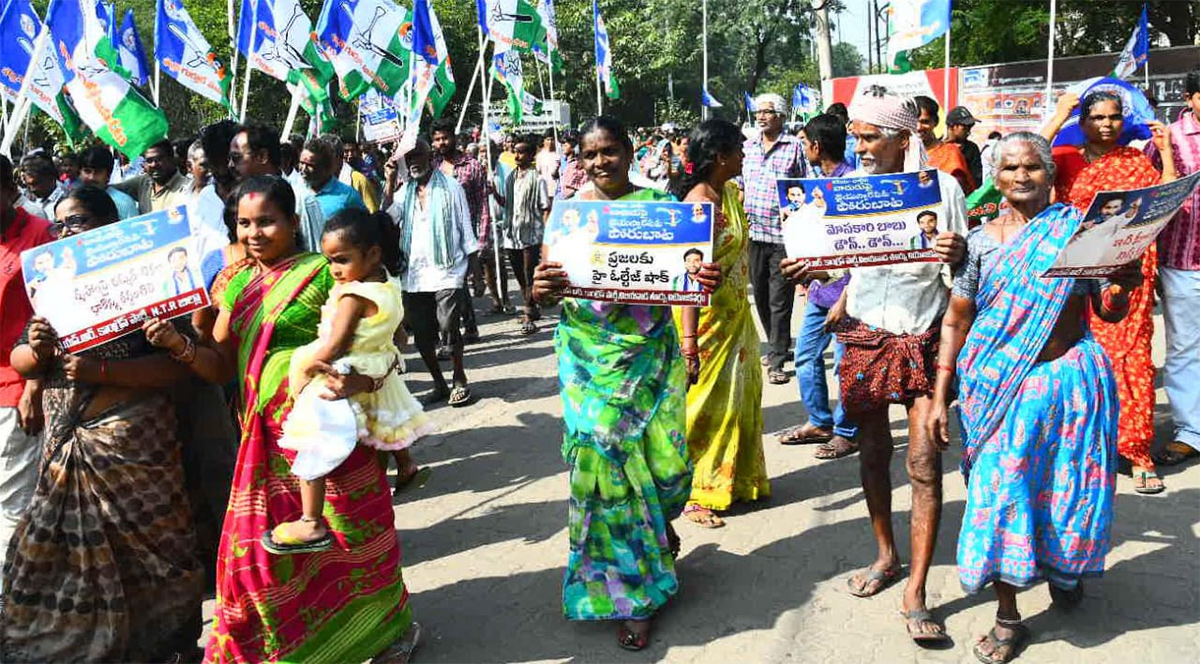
x,y
851,25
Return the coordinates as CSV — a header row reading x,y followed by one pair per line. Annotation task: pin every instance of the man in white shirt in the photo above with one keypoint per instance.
x,y
887,319
436,238
39,176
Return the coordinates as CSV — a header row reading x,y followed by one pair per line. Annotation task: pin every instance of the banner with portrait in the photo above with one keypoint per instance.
x,y
102,284
1119,226
856,222
634,252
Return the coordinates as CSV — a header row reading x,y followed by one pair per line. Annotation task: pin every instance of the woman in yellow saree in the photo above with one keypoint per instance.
x,y
724,412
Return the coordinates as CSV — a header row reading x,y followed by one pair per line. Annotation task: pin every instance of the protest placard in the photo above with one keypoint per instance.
x,y
100,285
855,222
635,252
378,117
1119,226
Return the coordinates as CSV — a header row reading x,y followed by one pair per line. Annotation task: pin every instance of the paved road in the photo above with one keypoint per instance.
x,y
484,544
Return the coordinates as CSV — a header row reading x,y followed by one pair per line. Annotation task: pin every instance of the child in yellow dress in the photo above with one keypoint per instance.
x,y
359,322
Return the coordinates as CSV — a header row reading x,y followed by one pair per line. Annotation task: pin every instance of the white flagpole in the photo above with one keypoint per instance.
x,y
1048,110
480,70
704,51
291,117
946,102
249,51
486,91
550,75
233,64
157,80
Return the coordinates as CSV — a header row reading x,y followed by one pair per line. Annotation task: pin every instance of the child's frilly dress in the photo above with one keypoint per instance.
x,y
324,432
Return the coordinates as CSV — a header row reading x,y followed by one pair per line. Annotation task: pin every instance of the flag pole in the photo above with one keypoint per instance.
x,y
554,124
486,92
290,122
704,51
1047,110
946,66
249,52
233,67
157,79
479,71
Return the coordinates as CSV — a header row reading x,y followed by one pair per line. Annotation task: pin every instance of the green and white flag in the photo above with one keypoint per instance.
x,y
369,43
515,24
546,51
106,102
278,39
506,67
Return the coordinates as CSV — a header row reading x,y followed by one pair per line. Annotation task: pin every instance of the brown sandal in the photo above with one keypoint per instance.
x,y
630,639
836,448
702,516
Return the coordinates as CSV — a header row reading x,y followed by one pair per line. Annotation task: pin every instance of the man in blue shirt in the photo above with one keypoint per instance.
x,y
317,163
96,167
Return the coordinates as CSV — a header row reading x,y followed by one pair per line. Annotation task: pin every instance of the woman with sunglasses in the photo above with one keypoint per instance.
x,y
103,565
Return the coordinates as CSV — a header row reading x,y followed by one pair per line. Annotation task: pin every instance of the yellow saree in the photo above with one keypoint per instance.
x,y
724,412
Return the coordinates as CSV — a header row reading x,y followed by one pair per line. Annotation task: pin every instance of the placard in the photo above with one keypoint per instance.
x,y
1119,226
379,119
100,285
856,222
634,252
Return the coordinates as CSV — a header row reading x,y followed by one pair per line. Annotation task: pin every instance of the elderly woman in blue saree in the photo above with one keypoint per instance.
x,y
1038,400
624,375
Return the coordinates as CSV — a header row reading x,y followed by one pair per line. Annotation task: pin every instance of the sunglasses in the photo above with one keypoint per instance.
x,y
72,225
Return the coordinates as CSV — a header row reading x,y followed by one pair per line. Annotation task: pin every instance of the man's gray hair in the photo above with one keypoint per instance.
x,y
773,99
1040,146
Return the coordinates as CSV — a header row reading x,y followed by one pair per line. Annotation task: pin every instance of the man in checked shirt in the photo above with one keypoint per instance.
x,y
770,155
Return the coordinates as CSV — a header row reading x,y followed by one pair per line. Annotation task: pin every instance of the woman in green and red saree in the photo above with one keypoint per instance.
x,y
624,374
348,604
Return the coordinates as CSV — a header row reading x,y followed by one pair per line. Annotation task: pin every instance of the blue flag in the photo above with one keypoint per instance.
x,y
604,56
1137,49
481,13
708,100
130,50
749,103
183,52
804,100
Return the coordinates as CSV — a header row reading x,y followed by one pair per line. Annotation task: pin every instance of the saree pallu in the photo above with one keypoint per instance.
x,y
624,411
1039,437
103,567
724,409
1128,342
342,605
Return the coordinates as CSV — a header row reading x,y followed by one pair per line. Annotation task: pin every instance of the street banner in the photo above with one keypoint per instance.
x,y
380,121
101,285
855,222
634,252
1119,226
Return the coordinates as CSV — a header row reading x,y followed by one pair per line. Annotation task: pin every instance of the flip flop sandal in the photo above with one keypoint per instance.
x,y
1014,644
528,327
415,481
459,396
1141,483
631,640
402,650
707,519
873,581
777,377
836,448
804,434
913,620
286,548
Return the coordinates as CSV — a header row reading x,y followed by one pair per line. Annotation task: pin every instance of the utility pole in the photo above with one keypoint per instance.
x,y
824,49
870,37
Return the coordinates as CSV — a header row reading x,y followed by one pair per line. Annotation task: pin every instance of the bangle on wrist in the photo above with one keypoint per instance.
x,y
188,354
